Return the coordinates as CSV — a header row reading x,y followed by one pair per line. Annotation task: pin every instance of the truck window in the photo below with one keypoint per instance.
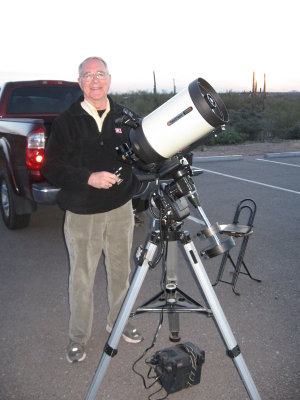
x,y
46,99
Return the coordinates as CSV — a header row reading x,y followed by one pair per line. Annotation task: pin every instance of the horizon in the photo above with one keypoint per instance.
x,y
126,89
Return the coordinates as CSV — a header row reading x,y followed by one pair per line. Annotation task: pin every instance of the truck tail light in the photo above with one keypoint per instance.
x,y
35,149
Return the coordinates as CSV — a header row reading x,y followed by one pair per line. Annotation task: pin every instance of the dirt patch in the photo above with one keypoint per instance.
x,y
249,148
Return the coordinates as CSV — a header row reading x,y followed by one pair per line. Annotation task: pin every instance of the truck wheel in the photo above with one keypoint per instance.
x,y
11,219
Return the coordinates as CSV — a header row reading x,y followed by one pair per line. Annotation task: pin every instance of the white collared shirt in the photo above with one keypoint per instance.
x,y
90,109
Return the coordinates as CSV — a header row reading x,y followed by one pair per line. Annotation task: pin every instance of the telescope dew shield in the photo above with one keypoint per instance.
x,y
187,117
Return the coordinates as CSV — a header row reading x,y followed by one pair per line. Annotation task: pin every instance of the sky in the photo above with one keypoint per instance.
x,y
221,41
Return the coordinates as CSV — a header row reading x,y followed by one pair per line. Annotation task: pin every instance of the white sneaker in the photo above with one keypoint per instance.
x,y
130,334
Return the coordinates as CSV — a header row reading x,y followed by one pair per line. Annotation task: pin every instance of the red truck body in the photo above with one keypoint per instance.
x,y
27,110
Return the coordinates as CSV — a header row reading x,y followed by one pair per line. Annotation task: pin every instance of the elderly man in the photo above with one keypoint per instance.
x,y
96,194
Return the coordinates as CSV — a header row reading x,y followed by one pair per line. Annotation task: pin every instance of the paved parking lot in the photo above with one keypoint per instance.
x,y
264,319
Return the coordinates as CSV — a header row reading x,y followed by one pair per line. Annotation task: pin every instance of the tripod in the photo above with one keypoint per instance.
x,y
170,303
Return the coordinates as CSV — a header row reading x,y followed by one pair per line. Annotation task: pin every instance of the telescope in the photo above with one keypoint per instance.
x,y
186,118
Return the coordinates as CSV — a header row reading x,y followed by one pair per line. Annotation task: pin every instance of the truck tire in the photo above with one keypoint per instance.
x,y
7,204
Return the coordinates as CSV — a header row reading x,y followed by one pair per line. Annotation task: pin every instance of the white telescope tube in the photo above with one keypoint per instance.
x,y
187,117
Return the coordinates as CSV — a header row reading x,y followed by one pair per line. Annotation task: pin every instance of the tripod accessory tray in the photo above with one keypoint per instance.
x,y
179,367
236,230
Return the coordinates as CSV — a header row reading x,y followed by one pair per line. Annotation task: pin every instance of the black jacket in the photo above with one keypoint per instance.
x,y
75,149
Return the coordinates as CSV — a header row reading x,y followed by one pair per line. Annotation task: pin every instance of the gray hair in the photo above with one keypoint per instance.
x,y
89,59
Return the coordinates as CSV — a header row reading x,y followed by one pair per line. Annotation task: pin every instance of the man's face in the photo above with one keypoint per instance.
x,y
94,90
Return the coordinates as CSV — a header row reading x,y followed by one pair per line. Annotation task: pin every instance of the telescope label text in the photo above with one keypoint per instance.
x,y
179,116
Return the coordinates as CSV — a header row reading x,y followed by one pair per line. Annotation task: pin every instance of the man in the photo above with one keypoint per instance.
x,y
96,193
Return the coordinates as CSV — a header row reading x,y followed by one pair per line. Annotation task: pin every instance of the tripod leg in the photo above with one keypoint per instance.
x,y
232,347
110,349
171,278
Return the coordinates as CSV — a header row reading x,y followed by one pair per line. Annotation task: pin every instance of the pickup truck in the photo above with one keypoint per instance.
x,y
27,110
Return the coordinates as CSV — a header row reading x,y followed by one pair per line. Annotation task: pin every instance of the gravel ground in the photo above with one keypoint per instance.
x,y
249,148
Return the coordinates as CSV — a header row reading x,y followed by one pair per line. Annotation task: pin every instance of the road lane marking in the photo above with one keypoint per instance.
x,y
255,182
278,162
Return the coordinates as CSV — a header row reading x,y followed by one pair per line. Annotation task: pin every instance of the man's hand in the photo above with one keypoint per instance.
x,y
102,180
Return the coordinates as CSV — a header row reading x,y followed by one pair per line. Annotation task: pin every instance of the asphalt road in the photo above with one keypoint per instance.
x,y
264,318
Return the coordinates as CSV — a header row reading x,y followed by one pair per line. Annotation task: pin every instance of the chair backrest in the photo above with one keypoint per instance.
x,y
248,205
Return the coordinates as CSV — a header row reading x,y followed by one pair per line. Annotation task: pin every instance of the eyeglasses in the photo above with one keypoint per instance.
x,y
89,76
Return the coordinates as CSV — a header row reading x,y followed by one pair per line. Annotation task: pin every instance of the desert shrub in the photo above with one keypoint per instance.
x,y
293,132
142,102
230,136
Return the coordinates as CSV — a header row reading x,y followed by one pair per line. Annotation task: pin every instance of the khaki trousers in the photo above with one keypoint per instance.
x,y
87,236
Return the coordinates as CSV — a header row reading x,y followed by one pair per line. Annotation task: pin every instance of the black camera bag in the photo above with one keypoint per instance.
x,y
179,367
